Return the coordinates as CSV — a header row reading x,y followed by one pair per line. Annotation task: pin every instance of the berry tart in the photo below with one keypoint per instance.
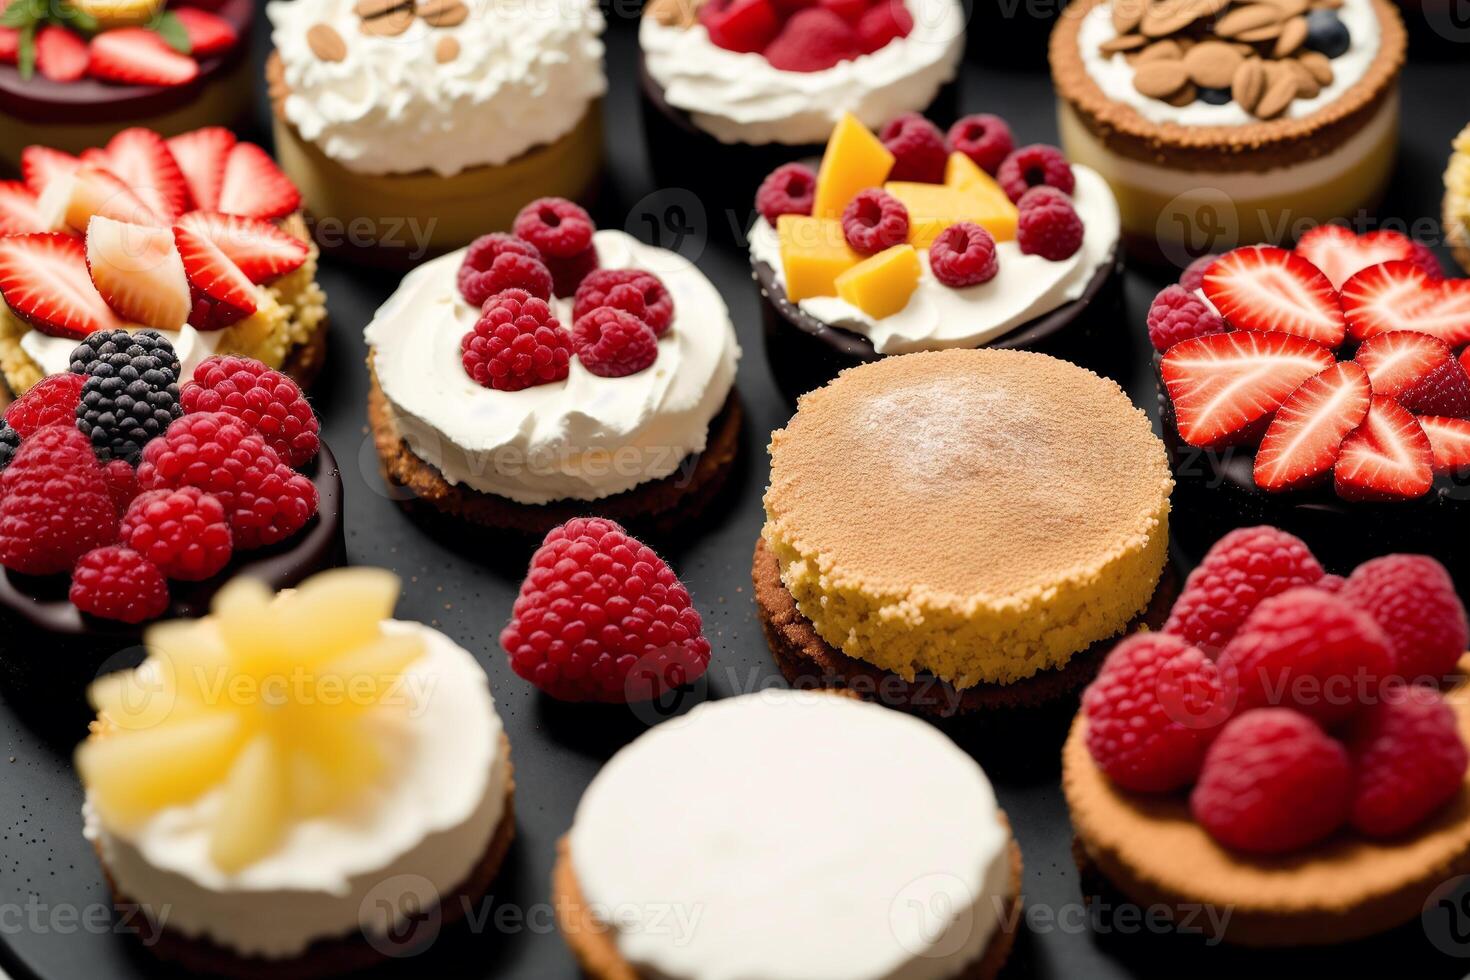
x,y
734,88
199,237
289,829
412,126
694,818
1224,122
1457,200
1288,753
1320,390
912,239
125,497
74,72
555,372
1024,525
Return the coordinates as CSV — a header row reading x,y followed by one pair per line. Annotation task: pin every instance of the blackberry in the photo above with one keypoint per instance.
x,y
9,443
131,393
144,355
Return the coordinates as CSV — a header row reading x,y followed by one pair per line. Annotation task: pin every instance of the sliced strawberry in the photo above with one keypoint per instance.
x,y
61,55
20,213
44,281
138,56
1465,359
1400,296
138,271
1226,386
201,156
9,45
142,159
1340,254
1303,440
72,200
261,250
1449,440
40,165
1418,371
209,34
220,294
1265,288
1388,457
254,186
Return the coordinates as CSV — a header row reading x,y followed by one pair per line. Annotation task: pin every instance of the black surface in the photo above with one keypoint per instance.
x,y
466,589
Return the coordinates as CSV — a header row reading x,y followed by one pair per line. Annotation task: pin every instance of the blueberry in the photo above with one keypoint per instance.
x,y
1327,34
1214,96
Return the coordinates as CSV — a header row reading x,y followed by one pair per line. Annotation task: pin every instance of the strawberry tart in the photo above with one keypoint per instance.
x,y
291,829
412,126
1225,122
683,861
556,372
913,239
1323,390
1287,754
74,72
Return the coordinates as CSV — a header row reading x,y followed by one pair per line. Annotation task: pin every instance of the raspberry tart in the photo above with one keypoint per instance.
x,y
297,849
1223,122
560,371
1024,525
912,239
933,840
477,110
1288,753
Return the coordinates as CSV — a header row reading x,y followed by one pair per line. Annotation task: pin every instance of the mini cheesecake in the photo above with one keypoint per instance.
x,y
1456,212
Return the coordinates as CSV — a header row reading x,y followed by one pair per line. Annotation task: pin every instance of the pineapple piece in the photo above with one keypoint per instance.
x,y
880,286
131,775
254,811
814,252
855,159
337,611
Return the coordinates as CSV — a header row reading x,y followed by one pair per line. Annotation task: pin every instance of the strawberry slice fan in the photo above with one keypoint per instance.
x,y
1335,403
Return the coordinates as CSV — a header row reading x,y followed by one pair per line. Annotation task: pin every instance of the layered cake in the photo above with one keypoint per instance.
x,y
516,388
1022,525
913,239
291,829
412,127
1221,122
687,835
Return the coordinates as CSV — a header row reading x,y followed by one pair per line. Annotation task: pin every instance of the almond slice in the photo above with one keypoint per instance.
x,y
1250,18
1167,50
1160,79
1293,36
1318,64
370,9
1307,86
1124,42
1212,64
446,50
442,13
1249,84
1278,95
1127,15
391,24
326,43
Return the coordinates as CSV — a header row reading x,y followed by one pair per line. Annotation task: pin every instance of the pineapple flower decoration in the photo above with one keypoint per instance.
x,y
285,705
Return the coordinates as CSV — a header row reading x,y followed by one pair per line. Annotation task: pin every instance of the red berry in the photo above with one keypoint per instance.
x,y
1051,229
268,401
1193,276
789,189
1423,256
118,583
849,10
1409,758
1331,584
1033,165
1178,315
963,255
122,483
740,25
596,290
516,343
567,274
477,279
918,149
813,39
614,344
984,138
1040,194
1413,598
555,226
882,24
875,220
1152,713
53,399
54,504
185,532
600,617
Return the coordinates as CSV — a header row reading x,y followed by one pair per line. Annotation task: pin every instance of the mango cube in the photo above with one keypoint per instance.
x,y
934,207
814,252
854,160
880,286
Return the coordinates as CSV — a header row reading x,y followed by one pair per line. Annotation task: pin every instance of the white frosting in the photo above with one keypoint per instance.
x,y
434,822
694,844
526,73
741,98
53,354
939,317
1114,75
583,438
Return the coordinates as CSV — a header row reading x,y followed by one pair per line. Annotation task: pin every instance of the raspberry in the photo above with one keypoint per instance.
x,y
9,444
884,22
1331,584
1423,256
1152,712
567,274
849,10
789,189
517,343
813,39
1051,229
613,344
596,289
54,505
1409,758
556,227
1039,194
918,149
1033,165
184,532
122,483
1193,276
1311,651
476,280
963,255
265,499
268,401
740,25
1244,567
600,617
1413,598
875,220
984,138
1178,315
144,354
53,399
118,583
1273,782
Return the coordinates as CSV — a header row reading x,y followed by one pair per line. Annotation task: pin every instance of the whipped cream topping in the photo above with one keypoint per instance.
x,y
711,880
1114,75
433,821
53,354
583,438
526,73
938,317
741,98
